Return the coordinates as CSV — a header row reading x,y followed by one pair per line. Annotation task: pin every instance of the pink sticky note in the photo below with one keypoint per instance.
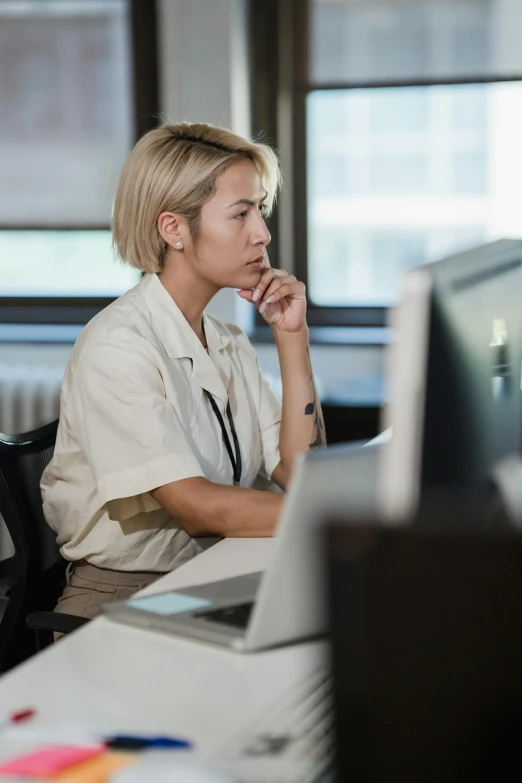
x,y
47,761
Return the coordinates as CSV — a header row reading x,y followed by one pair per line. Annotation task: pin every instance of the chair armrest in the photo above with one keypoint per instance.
x,y
54,621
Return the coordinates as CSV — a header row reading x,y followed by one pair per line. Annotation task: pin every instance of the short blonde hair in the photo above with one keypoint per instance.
x,y
174,169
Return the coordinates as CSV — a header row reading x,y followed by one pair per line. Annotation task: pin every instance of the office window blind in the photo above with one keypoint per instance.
x,y
66,110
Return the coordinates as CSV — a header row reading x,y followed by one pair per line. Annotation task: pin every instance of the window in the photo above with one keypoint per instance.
x,y
405,127
433,180
79,85
62,263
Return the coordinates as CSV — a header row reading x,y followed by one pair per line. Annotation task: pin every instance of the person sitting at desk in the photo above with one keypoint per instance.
x,y
165,417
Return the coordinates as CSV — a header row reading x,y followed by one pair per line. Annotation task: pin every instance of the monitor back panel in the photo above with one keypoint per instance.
x,y
427,647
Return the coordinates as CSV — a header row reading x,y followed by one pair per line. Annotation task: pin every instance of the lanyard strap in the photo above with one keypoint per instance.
x,y
235,461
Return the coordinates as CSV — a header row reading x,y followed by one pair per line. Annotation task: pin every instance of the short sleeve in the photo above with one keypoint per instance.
x,y
131,435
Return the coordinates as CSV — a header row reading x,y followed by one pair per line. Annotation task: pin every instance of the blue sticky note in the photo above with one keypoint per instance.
x,y
169,603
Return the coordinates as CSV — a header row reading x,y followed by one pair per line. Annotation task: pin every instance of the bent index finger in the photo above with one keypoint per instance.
x,y
276,284
285,289
267,275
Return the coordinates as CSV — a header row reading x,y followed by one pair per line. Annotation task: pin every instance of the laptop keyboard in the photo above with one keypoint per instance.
x,y
237,616
292,742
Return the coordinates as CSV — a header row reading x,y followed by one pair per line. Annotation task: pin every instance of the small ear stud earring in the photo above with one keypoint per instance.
x,y
178,244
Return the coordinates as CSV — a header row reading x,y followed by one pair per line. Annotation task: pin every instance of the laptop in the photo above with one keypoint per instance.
x,y
287,602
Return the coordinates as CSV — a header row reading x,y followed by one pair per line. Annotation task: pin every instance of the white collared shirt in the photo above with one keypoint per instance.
x,y
134,416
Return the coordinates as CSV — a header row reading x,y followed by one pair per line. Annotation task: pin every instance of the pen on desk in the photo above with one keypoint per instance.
x,y
17,717
137,742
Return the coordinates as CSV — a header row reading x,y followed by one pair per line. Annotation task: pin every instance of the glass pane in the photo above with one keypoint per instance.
x,y
409,175
372,41
62,263
66,109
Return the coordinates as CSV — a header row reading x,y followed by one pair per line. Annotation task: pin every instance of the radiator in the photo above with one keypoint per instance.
x,y
29,396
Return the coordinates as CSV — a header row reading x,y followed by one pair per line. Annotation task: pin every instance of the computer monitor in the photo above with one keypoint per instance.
x,y
455,376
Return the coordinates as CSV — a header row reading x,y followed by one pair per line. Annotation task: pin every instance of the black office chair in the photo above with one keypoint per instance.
x,y
33,578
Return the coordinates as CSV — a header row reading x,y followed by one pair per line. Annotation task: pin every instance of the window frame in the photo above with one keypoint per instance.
x,y
145,91
280,77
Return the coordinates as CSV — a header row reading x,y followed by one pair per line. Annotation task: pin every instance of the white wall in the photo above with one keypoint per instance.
x,y
204,78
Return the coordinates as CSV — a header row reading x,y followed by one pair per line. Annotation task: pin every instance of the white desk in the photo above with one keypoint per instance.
x,y
122,679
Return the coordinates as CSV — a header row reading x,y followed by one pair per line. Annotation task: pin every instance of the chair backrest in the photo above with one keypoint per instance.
x,y
23,459
36,569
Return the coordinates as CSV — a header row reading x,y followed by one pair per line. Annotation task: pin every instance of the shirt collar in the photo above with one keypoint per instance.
x,y
180,341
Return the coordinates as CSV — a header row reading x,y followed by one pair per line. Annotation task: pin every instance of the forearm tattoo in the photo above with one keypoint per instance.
x,y
312,410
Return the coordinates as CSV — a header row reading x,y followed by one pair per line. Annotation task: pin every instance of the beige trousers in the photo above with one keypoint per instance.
x,y
88,587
